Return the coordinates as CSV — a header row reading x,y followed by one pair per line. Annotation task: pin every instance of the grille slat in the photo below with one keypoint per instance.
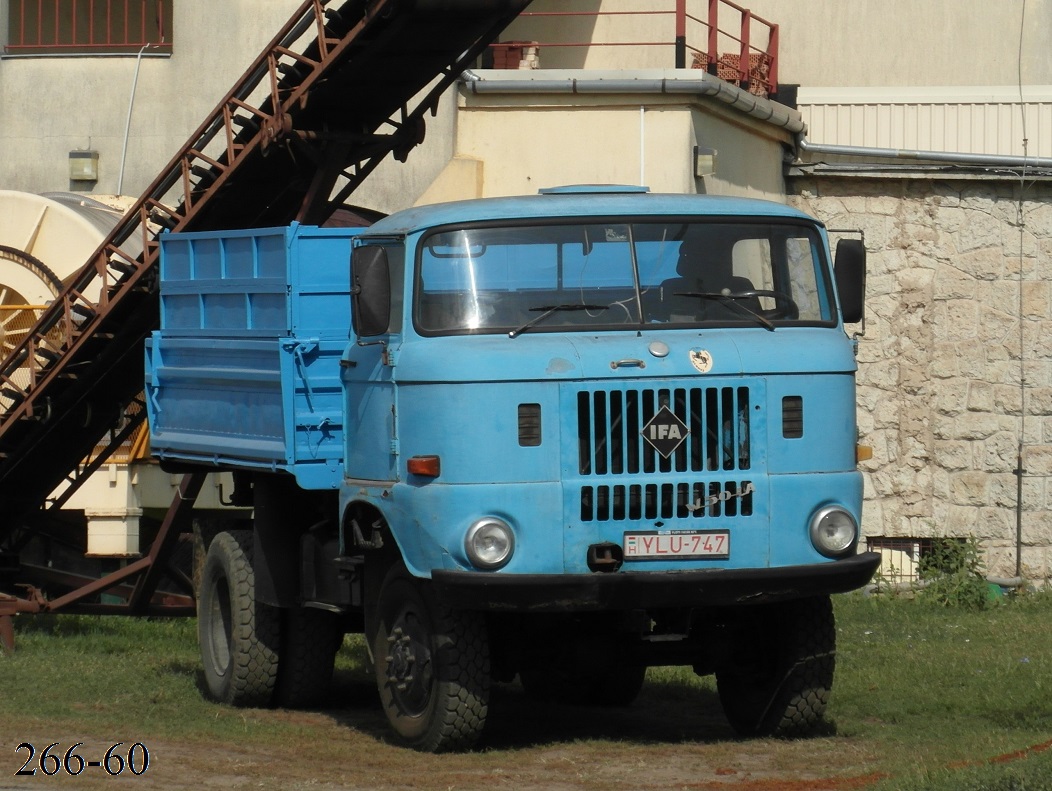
x,y
609,425
699,500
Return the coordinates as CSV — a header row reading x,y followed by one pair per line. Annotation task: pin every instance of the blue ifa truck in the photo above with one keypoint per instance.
x,y
562,437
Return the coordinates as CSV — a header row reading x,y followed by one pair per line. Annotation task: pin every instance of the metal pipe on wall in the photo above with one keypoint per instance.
x,y
127,123
704,85
953,157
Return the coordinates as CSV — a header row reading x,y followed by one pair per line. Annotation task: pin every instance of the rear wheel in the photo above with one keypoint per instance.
x,y
781,673
238,635
432,667
309,641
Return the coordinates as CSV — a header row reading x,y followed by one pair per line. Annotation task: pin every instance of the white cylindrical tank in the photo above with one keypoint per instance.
x,y
60,230
44,241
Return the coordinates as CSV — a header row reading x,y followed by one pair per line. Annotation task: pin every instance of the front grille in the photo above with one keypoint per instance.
x,y
650,501
609,423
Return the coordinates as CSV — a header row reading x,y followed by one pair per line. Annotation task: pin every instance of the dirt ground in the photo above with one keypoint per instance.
x,y
661,742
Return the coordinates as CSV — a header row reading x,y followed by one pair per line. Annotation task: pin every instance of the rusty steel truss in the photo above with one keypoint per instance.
x,y
341,86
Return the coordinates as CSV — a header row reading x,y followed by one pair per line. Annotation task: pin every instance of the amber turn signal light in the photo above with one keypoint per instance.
x,y
427,466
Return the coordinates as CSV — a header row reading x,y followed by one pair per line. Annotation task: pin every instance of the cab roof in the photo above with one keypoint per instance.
x,y
603,201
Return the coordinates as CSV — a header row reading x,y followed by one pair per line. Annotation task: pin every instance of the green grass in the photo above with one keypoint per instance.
x,y
95,672
947,691
927,698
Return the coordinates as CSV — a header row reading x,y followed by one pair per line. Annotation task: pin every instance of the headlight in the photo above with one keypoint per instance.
x,y
489,543
834,531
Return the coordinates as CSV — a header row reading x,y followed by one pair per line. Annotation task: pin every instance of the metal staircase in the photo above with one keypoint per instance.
x,y
340,87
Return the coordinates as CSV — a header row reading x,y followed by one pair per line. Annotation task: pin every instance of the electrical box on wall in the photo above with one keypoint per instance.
x,y
704,161
83,165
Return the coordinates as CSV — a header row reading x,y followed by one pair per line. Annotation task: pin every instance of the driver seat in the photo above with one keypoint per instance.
x,y
704,267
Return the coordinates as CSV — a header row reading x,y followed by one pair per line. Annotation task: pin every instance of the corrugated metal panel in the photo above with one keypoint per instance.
x,y
972,120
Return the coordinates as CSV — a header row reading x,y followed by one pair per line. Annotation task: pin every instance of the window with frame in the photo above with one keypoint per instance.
x,y
585,276
88,27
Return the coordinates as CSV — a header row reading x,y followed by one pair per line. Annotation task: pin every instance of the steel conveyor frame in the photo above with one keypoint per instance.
x,y
341,86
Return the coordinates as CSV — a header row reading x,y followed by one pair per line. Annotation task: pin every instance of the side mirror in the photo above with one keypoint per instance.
x,y
849,271
370,291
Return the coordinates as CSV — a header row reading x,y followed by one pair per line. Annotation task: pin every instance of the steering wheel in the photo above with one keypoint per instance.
x,y
784,308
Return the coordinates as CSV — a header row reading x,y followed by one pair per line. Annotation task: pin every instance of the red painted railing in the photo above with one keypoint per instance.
x,y
88,26
720,36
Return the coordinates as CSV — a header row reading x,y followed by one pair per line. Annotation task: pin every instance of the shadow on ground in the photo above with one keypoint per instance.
x,y
664,713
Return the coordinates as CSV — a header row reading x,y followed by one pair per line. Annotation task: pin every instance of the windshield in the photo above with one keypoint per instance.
x,y
586,277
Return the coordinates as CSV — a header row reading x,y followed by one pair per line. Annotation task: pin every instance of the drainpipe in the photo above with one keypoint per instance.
x,y
804,146
642,147
705,85
127,123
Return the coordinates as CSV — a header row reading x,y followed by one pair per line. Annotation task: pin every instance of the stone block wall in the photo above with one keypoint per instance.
x,y
955,366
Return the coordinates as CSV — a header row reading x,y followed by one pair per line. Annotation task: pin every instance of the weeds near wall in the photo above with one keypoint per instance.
x,y
954,575
950,572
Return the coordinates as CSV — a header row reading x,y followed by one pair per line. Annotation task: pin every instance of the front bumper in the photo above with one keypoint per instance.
x,y
472,590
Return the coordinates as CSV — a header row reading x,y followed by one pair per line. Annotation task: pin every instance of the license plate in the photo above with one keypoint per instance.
x,y
679,545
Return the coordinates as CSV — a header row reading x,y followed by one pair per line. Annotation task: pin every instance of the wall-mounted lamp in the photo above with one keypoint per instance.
x,y
83,165
704,161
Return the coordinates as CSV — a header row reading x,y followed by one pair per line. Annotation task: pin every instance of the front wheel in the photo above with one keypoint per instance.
x,y
782,670
432,667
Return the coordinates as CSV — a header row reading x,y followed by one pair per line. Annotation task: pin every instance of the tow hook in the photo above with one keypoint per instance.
x,y
606,557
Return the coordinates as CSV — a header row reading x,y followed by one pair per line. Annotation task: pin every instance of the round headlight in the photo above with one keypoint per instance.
x,y
834,531
489,543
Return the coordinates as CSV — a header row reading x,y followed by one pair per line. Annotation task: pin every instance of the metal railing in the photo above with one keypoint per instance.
x,y
88,26
719,36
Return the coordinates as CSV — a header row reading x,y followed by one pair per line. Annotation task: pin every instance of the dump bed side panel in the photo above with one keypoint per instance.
x,y
244,371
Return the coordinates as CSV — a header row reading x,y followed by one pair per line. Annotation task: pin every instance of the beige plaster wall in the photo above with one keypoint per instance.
x,y
527,148
53,105
822,42
519,144
911,42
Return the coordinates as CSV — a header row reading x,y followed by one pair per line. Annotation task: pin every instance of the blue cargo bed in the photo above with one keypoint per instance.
x,y
245,371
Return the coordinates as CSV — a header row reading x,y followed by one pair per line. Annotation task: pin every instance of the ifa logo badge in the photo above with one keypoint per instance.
x,y
665,432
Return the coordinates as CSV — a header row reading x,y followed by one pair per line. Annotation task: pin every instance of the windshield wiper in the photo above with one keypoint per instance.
x,y
728,299
548,311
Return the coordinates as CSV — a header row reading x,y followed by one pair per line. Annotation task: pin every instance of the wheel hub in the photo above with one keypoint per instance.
x,y
408,665
401,660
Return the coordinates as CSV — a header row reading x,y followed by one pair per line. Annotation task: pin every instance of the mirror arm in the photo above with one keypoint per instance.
x,y
385,356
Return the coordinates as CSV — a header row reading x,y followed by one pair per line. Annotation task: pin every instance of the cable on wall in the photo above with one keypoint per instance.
x,y
1020,471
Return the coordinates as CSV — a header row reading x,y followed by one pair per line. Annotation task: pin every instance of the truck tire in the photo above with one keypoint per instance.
x,y
779,681
432,667
238,635
309,641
